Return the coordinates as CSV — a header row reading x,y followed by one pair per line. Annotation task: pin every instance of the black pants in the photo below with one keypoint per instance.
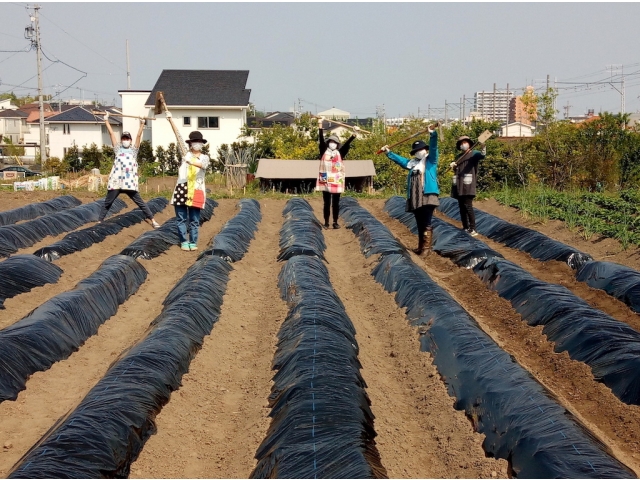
x,y
467,215
423,215
331,200
132,194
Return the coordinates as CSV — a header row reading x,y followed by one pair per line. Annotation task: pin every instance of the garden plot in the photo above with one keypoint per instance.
x,y
217,415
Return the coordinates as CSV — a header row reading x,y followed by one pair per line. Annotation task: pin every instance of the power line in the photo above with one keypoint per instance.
x,y
81,43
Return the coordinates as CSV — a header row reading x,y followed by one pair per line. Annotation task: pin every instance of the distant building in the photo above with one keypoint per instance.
x,y
493,106
13,126
7,105
271,119
215,102
590,115
517,129
518,113
335,114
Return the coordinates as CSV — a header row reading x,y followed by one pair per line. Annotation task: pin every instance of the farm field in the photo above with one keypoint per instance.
x,y
225,411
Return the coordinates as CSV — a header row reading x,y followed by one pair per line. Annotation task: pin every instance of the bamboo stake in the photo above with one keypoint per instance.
x,y
340,123
431,127
99,112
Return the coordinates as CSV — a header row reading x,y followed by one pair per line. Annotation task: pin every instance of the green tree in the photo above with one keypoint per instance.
x,y
161,158
145,154
55,166
72,158
91,157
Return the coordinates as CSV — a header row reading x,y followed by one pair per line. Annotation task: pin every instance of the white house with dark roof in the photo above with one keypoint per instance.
x,y
77,126
215,102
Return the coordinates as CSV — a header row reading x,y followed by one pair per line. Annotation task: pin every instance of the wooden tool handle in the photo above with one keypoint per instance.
x,y
181,143
340,123
430,127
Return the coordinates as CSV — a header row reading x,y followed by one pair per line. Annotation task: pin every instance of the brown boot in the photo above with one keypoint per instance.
x,y
428,240
420,249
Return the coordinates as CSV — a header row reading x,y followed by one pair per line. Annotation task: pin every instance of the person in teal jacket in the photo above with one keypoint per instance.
x,y
422,186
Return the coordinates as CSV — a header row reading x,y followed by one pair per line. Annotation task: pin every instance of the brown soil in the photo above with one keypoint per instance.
x,y
215,422
52,393
213,425
420,435
600,248
570,381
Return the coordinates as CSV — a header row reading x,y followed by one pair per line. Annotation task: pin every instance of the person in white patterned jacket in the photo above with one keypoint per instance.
x,y
124,173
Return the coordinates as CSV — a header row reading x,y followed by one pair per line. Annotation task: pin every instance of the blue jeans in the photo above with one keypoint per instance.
x,y
188,216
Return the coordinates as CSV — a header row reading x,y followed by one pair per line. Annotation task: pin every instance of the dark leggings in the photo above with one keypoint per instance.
x,y
467,215
423,218
132,194
331,200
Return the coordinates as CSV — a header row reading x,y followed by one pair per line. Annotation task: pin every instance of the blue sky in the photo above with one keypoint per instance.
x,y
354,56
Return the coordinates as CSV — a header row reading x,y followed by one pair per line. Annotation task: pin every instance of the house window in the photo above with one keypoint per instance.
x,y
66,128
64,151
186,121
208,122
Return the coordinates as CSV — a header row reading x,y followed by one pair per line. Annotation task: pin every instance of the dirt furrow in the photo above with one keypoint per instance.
x,y
215,422
52,393
570,381
561,274
420,434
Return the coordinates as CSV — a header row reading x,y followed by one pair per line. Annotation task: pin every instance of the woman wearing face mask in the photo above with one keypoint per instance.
x,y
189,195
124,173
422,186
331,178
464,181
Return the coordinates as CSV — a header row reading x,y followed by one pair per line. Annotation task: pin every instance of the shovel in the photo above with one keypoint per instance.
x,y
160,107
431,127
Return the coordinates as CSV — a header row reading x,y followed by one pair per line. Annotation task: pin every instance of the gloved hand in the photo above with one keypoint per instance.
x,y
356,130
168,114
385,149
142,120
453,165
320,123
431,130
106,115
484,150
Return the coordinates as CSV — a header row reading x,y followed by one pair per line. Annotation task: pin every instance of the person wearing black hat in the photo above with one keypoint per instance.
x,y
189,195
331,177
124,173
465,175
422,185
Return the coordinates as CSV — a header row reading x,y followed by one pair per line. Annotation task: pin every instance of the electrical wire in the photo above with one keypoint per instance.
x,y
81,43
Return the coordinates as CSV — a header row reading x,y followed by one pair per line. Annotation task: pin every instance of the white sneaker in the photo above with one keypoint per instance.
x,y
155,224
473,233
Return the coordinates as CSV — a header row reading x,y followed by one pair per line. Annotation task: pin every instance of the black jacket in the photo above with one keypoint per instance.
x,y
344,149
466,174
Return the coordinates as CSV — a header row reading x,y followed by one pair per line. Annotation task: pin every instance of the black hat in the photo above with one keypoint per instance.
x,y
125,135
417,146
464,138
196,137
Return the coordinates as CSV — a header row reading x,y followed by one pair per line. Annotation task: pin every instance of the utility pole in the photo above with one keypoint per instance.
x,y
128,69
460,110
566,110
464,105
547,82
445,112
36,43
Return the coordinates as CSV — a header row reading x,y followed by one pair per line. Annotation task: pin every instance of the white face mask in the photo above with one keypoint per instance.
x,y
196,146
333,145
421,155
126,143
464,147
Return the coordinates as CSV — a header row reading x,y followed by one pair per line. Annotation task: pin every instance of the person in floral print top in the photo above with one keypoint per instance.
x,y
124,173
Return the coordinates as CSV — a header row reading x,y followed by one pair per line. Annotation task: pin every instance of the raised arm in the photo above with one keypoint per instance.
x,y
180,141
434,153
114,139
403,162
140,130
344,149
322,145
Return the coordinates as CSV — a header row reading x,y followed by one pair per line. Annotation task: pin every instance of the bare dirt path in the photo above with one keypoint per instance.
x,y
420,434
52,393
572,382
215,422
600,248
